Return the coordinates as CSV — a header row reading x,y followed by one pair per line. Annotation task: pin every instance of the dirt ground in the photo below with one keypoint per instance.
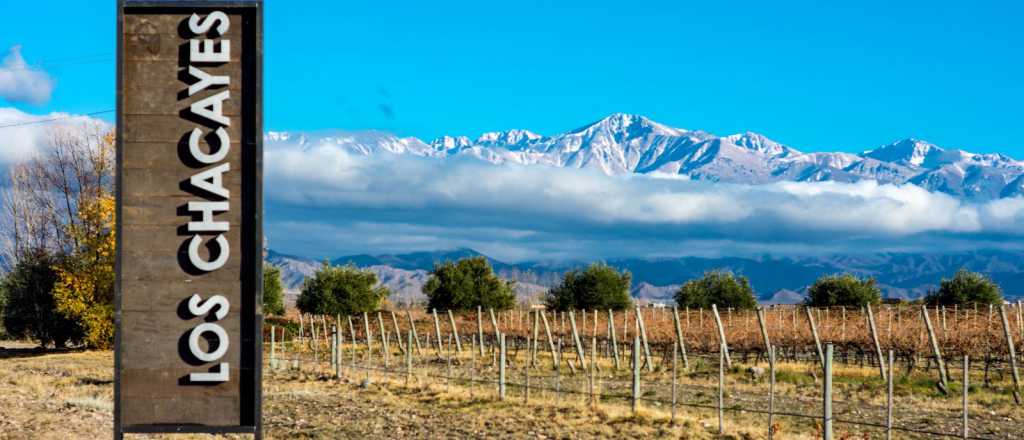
x,y
68,395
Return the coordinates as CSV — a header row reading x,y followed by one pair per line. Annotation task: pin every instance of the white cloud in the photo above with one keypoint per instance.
x,y
22,133
20,82
552,198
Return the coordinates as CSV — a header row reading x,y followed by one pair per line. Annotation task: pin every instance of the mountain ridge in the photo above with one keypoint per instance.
x,y
775,279
622,144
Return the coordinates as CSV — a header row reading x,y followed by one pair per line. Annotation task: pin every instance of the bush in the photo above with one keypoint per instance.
x,y
718,287
30,311
466,284
843,290
598,287
273,293
966,287
340,290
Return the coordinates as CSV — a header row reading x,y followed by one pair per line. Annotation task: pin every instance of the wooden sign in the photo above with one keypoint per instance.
x,y
189,220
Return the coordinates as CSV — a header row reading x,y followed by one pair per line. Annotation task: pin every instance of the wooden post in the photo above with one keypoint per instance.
x,y
827,395
455,332
874,338
593,366
412,329
408,360
889,402
526,375
580,355
273,347
302,341
501,366
943,381
771,392
334,353
611,337
764,329
967,385
675,376
398,332
679,339
494,322
551,342
1013,354
643,337
636,373
558,371
366,325
536,338
352,334
480,328
437,331
448,360
722,344
814,332
722,360
384,340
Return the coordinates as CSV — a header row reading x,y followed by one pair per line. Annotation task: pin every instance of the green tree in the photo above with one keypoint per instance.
x,y
30,311
718,287
966,287
598,287
273,293
466,284
343,290
843,290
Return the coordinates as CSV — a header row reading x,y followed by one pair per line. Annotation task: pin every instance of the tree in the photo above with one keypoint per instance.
x,y
84,290
843,290
273,293
466,284
30,311
598,287
718,287
340,290
966,287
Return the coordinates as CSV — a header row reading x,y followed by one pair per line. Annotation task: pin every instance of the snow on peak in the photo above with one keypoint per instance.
x,y
511,137
908,151
760,143
628,126
450,142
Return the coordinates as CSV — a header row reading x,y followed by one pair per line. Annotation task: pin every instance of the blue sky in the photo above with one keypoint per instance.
x,y
818,77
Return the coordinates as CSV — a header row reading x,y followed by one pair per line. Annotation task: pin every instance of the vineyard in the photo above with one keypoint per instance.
x,y
678,353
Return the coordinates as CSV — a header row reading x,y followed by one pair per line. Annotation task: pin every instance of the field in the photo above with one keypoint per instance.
x,y
437,390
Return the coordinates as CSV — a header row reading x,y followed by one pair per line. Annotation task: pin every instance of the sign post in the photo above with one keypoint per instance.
x,y
189,217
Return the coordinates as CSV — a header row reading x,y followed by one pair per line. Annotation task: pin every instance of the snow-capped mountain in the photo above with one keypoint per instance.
x,y
623,144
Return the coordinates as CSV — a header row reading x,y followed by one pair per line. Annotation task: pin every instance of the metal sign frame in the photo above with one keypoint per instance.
x,y
251,233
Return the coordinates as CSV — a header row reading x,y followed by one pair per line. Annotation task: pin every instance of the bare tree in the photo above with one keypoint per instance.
x,y
74,166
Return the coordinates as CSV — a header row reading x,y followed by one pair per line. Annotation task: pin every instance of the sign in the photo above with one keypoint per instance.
x,y
189,217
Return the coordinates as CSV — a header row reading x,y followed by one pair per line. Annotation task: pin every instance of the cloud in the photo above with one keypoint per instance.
x,y
22,133
20,82
558,211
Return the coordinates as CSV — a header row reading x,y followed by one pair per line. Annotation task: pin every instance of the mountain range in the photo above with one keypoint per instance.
x,y
775,280
623,144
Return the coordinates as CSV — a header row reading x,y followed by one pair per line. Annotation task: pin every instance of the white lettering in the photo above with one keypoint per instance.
x,y
207,224
205,80
201,26
212,180
222,342
204,265
197,307
200,155
212,108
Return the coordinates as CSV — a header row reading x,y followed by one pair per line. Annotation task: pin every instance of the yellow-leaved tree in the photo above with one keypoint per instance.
x,y
84,291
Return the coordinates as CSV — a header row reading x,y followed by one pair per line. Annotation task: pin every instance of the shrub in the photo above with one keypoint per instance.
x,y
273,293
598,287
718,287
466,284
843,290
30,311
966,287
340,290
